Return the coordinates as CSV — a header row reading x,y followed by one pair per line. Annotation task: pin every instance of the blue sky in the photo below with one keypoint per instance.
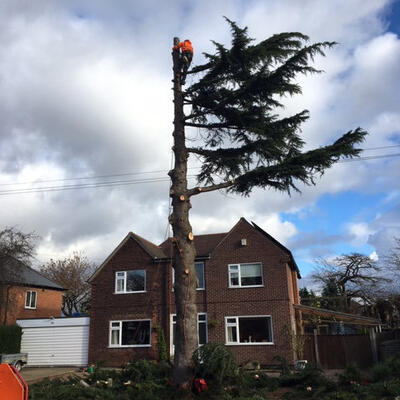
x,y
85,92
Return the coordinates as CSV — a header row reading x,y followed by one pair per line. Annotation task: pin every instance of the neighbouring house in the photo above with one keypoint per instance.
x,y
25,293
247,288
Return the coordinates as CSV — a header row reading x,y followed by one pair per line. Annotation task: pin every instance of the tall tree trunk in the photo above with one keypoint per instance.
x,y
184,250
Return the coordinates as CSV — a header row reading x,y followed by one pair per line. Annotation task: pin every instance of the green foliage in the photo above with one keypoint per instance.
x,y
309,376
215,362
141,380
237,100
350,375
284,365
10,339
161,345
332,298
386,370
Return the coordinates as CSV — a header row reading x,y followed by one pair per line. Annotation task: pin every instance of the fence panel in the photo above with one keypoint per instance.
x,y
338,351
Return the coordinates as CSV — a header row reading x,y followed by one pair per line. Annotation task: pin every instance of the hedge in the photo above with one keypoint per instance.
x,y
10,339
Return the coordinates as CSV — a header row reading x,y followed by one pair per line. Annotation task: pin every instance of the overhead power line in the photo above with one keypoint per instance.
x,y
369,157
85,186
115,183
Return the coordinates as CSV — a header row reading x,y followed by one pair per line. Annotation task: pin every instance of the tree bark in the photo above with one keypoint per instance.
x,y
184,251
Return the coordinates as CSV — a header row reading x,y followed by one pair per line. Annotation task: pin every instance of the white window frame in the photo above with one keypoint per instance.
x,y
30,306
240,286
119,328
205,321
204,277
123,277
236,324
172,323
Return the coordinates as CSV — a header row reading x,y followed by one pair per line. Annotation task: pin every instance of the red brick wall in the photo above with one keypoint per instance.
x,y
107,306
218,300
271,299
48,304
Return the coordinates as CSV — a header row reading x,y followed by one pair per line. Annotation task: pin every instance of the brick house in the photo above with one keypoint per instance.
x,y
247,288
25,293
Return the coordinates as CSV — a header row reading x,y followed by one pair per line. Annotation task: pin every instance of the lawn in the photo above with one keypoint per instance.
x,y
144,380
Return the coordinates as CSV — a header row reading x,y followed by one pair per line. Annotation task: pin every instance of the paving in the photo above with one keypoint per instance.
x,y
32,375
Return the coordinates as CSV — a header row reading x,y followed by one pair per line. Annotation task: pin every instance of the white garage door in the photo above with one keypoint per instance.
x,y
57,341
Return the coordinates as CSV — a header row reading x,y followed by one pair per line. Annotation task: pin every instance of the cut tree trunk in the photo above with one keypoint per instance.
x,y
183,246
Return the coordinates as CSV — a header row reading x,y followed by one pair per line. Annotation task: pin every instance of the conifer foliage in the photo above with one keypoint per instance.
x,y
236,103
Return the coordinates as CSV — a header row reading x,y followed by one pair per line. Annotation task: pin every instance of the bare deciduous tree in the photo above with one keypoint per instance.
x,y
71,273
355,275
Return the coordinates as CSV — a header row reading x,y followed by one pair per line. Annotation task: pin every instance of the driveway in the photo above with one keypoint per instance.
x,y
32,375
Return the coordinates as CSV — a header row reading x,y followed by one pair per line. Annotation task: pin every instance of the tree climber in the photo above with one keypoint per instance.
x,y
186,57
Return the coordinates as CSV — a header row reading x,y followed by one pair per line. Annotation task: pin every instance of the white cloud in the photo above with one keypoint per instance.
x,y
374,256
360,232
85,90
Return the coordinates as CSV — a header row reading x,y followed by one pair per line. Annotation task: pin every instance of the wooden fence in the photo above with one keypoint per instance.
x,y
338,351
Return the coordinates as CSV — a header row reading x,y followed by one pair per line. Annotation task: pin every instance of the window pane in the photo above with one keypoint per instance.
x,y
250,274
232,335
33,299
200,274
115,337
135,332
231,320
120,285
202,317
234,279
202,326
135,281
28,299
255,330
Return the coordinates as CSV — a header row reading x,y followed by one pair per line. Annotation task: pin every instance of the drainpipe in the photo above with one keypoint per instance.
x,y
6,307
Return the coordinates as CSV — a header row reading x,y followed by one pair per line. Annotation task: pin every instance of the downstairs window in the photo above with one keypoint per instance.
x,y
135,333
249,330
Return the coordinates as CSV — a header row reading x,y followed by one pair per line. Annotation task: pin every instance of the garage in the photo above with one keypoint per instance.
x,y
55,341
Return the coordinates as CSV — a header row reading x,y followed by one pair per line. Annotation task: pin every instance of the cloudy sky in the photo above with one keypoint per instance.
x,y
86,100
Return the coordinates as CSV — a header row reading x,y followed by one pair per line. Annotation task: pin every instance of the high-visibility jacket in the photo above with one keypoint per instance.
x,y
186,45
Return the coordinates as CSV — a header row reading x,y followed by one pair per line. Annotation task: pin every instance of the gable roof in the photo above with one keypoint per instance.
x,y
150,248
280,245
16,272
204,244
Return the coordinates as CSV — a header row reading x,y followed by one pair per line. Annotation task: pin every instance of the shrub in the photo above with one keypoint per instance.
x,y
161,344
309,376
214,362
10,339
386,370
350,375
284,365
144,371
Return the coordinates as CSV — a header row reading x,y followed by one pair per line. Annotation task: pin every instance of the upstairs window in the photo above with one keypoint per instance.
x,y
199,267
245,275
30,299
130,281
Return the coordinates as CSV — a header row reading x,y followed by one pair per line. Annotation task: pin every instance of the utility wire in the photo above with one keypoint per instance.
x,y
89,177
84,186
369,158
100,184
